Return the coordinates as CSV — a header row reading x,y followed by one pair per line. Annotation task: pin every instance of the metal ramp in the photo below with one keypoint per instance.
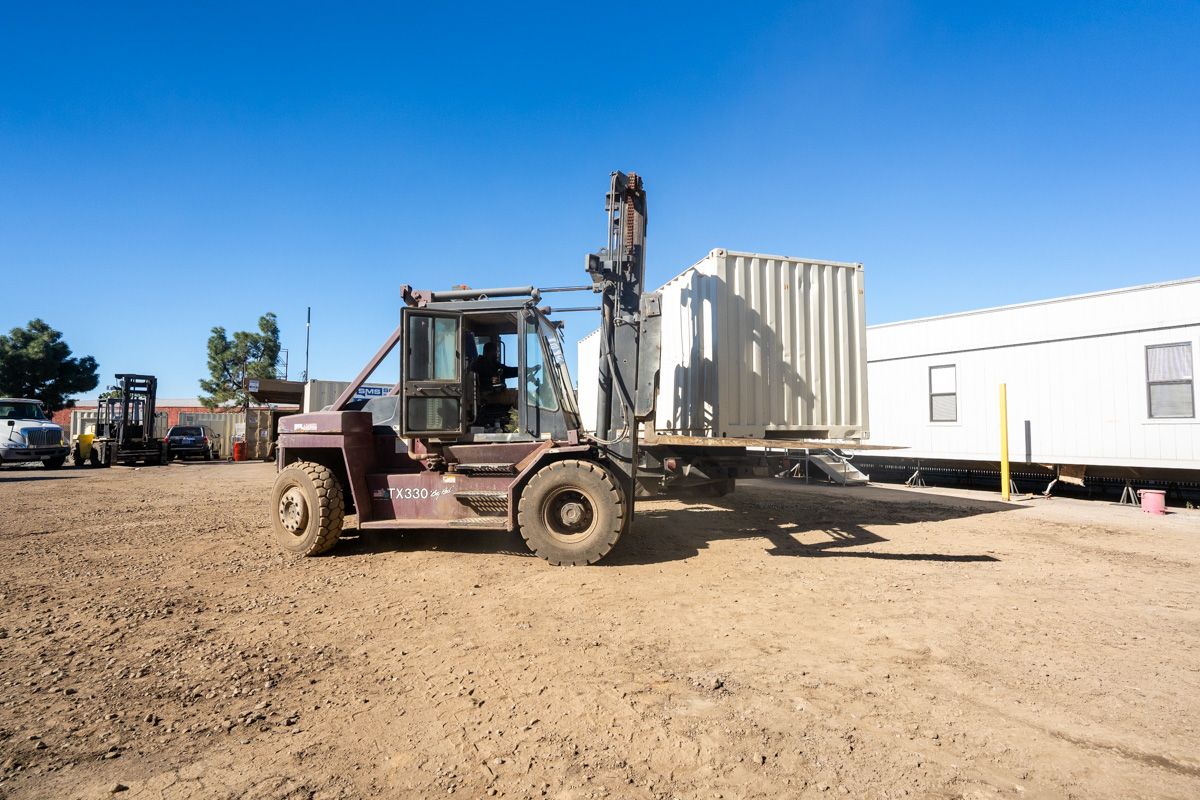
x,y
838,468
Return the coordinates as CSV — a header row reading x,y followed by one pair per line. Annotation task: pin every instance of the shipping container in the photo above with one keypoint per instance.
x,y
756,346
1102,382
319,394
225,424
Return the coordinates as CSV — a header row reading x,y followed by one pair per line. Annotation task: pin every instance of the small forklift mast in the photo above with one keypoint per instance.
x,y
125,425
451,446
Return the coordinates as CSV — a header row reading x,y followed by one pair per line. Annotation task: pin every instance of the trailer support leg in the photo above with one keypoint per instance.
x,y
1128,496
915,480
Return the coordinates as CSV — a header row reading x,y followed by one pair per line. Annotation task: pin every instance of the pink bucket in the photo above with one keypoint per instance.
x,y
1154,501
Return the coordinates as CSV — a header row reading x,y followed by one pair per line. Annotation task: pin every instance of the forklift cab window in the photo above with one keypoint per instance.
x,y
433,375
432,345
539,389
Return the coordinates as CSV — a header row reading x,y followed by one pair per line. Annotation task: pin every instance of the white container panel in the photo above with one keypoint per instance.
x,y
588,369
753,344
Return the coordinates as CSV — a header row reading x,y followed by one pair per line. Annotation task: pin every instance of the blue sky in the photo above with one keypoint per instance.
x,y
168,167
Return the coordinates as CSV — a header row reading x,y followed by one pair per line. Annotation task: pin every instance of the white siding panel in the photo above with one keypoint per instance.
x,y
1083,393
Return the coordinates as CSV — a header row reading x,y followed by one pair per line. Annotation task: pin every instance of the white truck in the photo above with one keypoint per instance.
x,y
27,435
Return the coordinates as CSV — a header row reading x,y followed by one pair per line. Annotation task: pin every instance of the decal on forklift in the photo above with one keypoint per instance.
x,y
393,493
307,426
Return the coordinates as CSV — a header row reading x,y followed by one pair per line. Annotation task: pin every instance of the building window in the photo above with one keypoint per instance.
x,y
1169,381
943,394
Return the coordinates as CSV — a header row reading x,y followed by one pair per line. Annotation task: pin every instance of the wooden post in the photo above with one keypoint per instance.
x,y
1004,477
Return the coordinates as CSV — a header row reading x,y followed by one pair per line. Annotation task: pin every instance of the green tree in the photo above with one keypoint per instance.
x,y
259,352
36,363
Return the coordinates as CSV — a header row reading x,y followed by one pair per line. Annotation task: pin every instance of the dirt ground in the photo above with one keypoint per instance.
x,y
788,641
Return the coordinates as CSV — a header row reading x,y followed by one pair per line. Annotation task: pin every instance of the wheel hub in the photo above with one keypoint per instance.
x,y
571,513
568,514
293,510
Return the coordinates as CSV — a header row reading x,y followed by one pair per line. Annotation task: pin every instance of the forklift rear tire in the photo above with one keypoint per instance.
x,y
307,509
571,512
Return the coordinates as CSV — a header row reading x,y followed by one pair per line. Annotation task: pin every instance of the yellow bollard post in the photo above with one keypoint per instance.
x,y
1004,479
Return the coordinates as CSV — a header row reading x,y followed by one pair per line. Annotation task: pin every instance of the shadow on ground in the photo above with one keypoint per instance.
x,y
37,473
794,519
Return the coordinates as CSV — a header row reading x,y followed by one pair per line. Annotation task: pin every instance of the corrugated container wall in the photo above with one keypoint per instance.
x,y
224,423
756,345
319,394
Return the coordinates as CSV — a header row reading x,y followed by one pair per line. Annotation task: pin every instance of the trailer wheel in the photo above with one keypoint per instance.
x,y
571,513
307,509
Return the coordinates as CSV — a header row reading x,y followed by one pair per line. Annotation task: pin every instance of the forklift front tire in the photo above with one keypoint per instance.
x,y
307,508
571,513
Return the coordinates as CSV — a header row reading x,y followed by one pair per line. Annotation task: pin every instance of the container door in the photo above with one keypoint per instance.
x,y
432,373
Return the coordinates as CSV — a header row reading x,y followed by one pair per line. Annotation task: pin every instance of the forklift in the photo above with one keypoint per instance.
x,y
124,431
452,446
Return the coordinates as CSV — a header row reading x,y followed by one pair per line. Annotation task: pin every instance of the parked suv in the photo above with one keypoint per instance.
x,y
26,434
192,440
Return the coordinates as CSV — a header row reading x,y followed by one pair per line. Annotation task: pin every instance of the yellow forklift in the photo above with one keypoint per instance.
x,y
124,430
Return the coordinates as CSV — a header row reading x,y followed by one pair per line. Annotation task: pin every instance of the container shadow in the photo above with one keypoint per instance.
x,y
803,521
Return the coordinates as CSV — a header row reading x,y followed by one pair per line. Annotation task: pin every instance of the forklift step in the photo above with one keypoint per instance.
x,y
477,522
485,469
490,503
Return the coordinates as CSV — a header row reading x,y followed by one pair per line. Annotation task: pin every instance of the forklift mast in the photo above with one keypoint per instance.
x,y
629,326
129,417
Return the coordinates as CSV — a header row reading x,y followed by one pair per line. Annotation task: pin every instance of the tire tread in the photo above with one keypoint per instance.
x,y
330,510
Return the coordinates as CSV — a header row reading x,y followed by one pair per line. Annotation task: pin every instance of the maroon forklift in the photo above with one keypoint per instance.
x,y
452,446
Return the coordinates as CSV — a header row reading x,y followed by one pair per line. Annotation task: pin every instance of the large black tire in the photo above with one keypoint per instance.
x,y
307,508
77,458
54,463
94,456
571,512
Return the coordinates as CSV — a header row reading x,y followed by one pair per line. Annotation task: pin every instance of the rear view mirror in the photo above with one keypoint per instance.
x,y
11,423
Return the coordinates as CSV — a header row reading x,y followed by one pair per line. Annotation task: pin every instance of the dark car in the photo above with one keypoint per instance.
x,y
192,440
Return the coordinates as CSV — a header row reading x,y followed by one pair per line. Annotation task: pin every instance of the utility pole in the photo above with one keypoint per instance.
x,y
307,331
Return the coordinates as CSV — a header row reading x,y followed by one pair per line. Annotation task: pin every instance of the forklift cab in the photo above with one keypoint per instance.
x,y
442,391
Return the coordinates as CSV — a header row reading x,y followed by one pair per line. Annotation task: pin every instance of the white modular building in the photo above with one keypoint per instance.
x,y
1097,385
